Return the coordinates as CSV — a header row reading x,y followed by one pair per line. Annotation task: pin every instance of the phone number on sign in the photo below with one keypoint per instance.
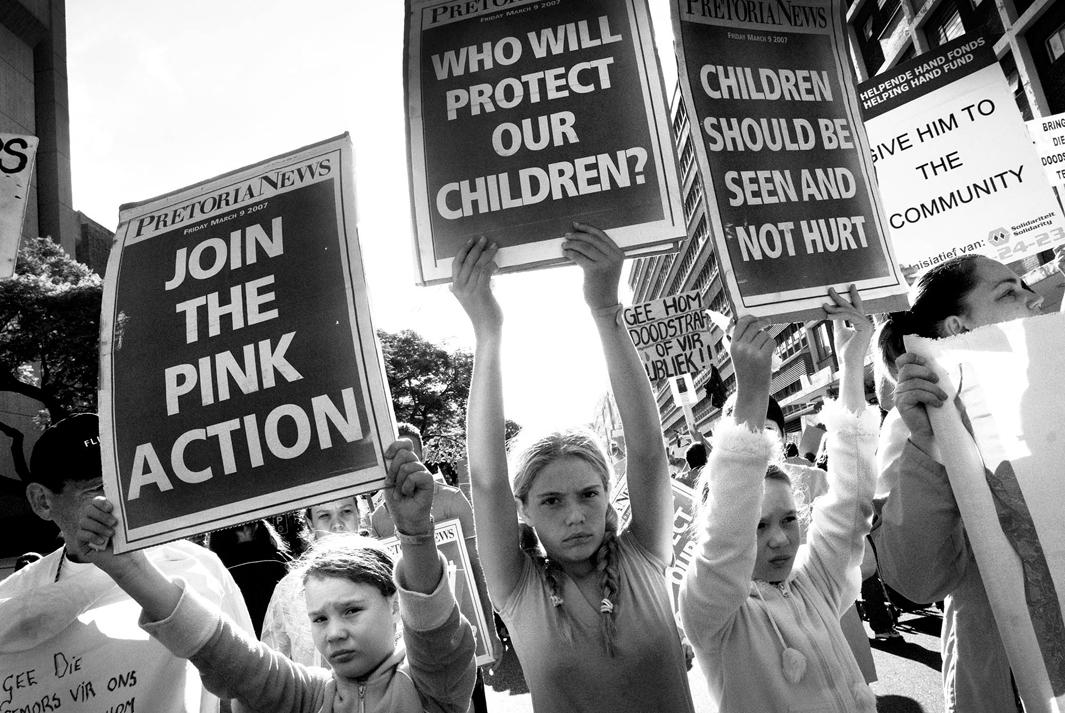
x,y
1022,246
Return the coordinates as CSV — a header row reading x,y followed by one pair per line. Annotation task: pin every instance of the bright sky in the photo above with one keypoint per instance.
x,y
165,94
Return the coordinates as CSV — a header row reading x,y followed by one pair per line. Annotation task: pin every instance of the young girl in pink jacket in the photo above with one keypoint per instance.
x,y
762,614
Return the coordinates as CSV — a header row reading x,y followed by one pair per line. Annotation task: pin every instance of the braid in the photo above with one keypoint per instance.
x,y
530,544
606,564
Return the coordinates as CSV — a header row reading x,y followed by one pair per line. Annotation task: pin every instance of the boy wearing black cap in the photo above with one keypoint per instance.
x,y
70,601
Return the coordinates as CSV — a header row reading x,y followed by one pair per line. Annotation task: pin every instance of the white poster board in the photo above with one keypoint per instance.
x,y
1004,449
672,335
957,172
17,154
1048,135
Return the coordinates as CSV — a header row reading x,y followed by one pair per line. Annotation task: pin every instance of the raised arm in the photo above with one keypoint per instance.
x,y
495,512
921,544
409,494
647,470
718,580
843,515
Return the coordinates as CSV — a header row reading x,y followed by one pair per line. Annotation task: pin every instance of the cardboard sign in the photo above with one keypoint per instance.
x,y
1048,135
1003,450
525,116
87,653
451,543
774,118
957,172
240,376
672,335
683,536
17,154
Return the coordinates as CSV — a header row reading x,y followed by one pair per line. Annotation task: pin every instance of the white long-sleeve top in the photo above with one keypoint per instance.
x,y
726,620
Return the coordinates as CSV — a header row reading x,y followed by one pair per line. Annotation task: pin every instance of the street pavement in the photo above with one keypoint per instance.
x,y
907,671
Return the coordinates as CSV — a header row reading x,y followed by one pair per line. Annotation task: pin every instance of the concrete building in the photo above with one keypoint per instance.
x,y
1028,37
33,101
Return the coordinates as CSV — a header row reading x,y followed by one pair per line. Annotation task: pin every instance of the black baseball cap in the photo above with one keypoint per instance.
x,y
68,450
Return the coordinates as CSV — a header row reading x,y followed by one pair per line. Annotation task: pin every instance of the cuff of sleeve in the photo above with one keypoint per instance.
x,y
865,422
423,612
741,440
189,626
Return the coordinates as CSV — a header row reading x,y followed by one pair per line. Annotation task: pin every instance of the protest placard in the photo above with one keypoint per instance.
x,y
240,375
769,89
1048,135
957,171
452,544
524,116
1003,449
672,335
683,535
17,154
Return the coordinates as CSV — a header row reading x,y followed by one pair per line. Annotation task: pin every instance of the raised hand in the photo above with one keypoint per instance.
x,y
600,258
471,283
852,329
752,358
408,489
915,391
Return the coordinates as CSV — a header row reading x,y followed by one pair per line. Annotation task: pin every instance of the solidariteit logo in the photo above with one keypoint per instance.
x,y
999,236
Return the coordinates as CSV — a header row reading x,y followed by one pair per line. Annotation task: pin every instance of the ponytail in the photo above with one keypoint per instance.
x,y
938,293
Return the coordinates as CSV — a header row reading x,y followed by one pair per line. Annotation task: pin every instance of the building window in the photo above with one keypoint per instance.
x,y
867,28
1056,44
947,24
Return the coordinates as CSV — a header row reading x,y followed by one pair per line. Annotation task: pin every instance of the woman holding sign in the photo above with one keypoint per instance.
x,y
763,615
921,543
351,587
587,606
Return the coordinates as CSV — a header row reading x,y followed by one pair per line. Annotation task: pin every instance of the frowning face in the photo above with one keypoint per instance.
x,y
567,506
353,625
778,533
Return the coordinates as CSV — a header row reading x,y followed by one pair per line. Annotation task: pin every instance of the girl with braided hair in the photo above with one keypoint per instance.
x,y
587,607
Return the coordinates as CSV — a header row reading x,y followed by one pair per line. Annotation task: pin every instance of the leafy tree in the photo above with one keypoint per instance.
x,y
49,334
429,384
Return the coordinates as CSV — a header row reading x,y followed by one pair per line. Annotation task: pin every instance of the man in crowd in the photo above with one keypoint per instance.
x,y
65,618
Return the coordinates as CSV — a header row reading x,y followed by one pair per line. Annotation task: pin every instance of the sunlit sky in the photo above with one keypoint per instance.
x,y
165,94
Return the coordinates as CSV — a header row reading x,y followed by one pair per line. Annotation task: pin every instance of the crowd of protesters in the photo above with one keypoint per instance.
x,y
767,603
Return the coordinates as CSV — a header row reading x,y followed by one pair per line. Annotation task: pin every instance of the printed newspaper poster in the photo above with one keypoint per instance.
x,y
525,116
240,375
1003,451
1048,134
17,154
452,544
958,173
769,93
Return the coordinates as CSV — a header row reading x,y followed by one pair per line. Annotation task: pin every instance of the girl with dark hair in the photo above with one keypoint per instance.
x,y
762,614
921,544
354,593
587,606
